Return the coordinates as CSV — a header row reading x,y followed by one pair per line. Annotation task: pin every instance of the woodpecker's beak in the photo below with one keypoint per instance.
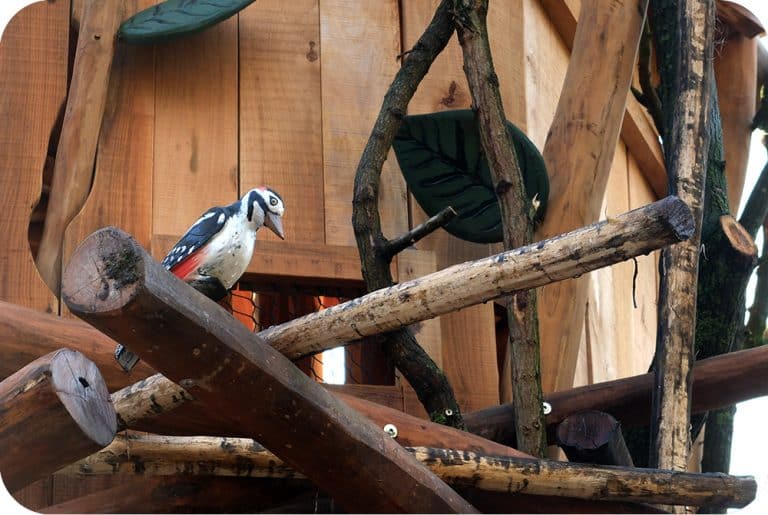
x,y
274,222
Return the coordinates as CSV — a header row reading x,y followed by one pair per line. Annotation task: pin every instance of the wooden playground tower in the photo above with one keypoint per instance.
x,y
285,94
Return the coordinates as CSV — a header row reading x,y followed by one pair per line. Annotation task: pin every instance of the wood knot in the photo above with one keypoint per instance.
x,y
312,54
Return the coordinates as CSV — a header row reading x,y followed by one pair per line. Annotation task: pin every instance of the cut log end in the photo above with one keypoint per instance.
x,y
84,394
103,272
678,216
739,238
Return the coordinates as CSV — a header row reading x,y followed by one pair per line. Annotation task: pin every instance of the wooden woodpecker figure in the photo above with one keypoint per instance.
x,y
215,251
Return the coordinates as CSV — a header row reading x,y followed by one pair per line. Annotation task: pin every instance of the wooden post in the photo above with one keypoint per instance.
x,y
579,154
214,456
115,285
52,412
687,144
717,382
593,437
79,135
565,256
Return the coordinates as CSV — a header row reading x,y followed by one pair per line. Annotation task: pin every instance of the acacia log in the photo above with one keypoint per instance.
x,y
115,285
579,154
575,253
52,412
717,382
545,477
593,437
686,137
161,455
76,153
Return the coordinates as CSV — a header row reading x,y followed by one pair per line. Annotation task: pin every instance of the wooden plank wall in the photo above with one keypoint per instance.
x,y
285,94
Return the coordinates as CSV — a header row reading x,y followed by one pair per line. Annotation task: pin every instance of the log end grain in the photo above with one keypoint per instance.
x,y
84,394
103,272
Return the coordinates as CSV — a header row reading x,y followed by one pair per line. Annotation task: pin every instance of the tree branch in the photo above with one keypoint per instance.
x,y
756,208
429,382
397,245
516,215
650,98
686,143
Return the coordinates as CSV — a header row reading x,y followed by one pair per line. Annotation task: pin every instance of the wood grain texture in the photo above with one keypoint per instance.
x,y
76,153
468,347
251,385
290,261
735,67
578,152
358,61
121,193
544,477
53,411
450,289
637,128
281,112
195,151
33,82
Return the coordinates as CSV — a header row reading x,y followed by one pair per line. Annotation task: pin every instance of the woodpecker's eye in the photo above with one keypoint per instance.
x,y
272,201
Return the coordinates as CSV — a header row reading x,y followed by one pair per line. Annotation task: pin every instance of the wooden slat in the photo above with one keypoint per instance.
x,y
359,60
289,261
610,294
638,344
195,127
280,111
33,82
121,194
736,74
469,338
252,385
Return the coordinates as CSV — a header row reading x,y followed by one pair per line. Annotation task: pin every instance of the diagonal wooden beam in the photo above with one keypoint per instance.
x,y
114,284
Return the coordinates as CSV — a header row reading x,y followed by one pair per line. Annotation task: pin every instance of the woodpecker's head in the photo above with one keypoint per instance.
x,y
263,205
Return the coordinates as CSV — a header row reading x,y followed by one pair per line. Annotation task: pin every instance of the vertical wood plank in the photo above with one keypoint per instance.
x,y
196,155
546,62
121,193
359,45
640,343
609,298
735,67
33,82
280,111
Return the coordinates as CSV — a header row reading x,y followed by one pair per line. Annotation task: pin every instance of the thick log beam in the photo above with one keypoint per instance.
x,y
717,382
115,285
593,437
569,255
215,456
76,153
545,477
150,403
54,411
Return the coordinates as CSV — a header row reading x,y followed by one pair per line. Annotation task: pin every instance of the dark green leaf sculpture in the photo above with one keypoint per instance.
x,y
175,18
442,160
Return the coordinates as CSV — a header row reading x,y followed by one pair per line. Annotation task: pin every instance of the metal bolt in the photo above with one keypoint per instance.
x,y
391,430
547,408
449,412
